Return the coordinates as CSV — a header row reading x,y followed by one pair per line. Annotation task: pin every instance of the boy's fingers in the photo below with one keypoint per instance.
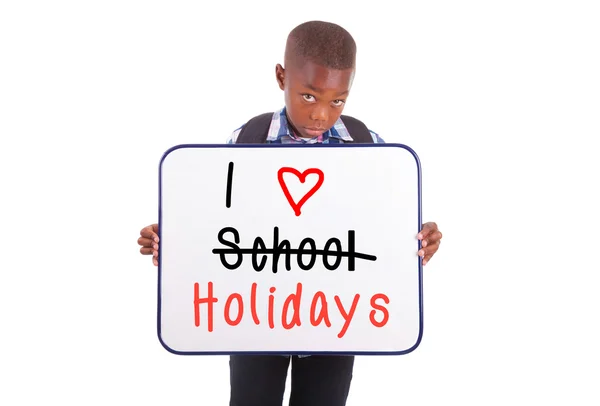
x,y
430,238
427,252
146,251
427,229
149,251
146,242
427,258
433,238
150,232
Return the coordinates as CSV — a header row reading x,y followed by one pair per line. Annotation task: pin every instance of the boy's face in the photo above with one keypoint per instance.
x,y
314,96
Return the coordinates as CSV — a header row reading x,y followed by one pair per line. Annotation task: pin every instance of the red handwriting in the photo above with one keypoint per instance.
x,y
302,176
234,309
346,315
384,310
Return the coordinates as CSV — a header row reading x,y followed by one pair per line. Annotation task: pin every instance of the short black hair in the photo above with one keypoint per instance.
x,y
324,43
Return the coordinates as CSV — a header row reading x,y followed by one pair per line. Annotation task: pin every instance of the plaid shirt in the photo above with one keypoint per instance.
x,y
280,133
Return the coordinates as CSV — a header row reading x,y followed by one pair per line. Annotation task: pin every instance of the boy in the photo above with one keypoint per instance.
x,y
319,69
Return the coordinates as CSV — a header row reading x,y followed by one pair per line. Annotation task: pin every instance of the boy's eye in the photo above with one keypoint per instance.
x,y
308,97
338,102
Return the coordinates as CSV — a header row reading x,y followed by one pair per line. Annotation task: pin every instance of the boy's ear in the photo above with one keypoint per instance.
x,y
280,76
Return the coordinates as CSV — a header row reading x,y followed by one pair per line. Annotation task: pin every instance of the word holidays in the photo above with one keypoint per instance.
x,y
289,314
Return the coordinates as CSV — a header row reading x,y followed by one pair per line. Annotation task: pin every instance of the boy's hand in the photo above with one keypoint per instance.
x,y
430,238
149,242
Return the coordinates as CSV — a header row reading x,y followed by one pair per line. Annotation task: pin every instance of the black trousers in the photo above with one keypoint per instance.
x,y
259,380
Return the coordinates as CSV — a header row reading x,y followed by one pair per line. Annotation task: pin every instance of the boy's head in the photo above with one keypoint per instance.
x,y
319,68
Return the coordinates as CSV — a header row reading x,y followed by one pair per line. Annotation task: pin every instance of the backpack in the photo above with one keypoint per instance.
x,y
256,129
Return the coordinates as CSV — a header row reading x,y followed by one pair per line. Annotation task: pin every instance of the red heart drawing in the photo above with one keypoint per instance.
x,y
302,177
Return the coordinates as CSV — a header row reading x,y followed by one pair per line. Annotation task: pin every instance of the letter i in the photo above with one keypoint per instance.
x,y
271,299
229,185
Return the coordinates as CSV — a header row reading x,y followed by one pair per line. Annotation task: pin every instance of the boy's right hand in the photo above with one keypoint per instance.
x,y
149,242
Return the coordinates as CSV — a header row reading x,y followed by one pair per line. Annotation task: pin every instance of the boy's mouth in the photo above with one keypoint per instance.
x,y
314,132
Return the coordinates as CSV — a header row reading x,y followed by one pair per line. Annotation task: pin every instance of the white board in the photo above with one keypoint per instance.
x,y
215,199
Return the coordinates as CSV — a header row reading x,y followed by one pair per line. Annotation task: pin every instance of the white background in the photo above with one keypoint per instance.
x,y
500,100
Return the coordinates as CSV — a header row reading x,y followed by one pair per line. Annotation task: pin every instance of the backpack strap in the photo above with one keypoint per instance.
x,y
256,129
358,130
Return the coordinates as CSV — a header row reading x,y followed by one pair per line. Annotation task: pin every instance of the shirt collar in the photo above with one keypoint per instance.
x,y
280,128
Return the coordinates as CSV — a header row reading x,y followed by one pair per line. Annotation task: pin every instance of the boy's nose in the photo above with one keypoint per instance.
x,y
319,114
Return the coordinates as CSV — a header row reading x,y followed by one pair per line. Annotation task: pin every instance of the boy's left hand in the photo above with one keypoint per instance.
x,y
430,238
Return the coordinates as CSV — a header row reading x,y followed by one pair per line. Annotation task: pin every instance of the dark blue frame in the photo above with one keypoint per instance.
x,y
419,225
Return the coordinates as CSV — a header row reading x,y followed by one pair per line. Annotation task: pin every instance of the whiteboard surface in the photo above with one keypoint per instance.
x,y
371,191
